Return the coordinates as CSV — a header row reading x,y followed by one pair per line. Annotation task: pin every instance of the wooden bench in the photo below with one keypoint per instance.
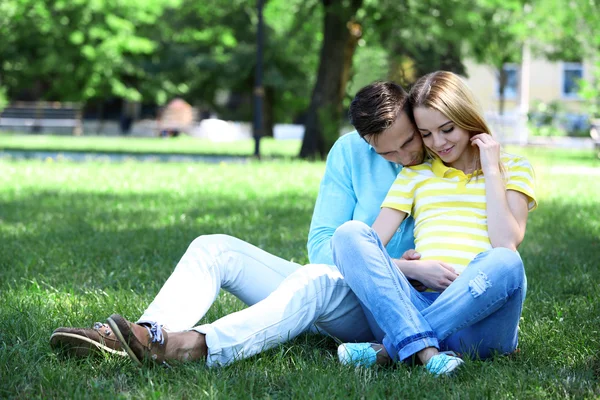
x,y
37,116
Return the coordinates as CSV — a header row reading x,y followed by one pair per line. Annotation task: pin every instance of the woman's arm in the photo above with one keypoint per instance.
x,y
507,210
387,223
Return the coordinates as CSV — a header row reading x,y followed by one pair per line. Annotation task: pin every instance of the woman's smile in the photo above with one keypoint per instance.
x,y
445,152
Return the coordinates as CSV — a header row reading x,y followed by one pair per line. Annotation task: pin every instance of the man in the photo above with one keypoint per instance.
x,y
313,297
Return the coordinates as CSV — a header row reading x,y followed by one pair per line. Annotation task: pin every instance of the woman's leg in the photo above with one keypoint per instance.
x,y
479,312
210,263
383,290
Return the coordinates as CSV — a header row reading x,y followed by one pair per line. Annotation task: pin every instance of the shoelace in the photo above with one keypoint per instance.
x,y
99,325
155,331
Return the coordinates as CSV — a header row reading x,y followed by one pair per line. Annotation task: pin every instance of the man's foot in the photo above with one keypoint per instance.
x,y
83,342
362,354
151,342
443,364
140,342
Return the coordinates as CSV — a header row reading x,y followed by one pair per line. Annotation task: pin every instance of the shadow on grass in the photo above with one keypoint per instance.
x,y
562,248
90,240
562,311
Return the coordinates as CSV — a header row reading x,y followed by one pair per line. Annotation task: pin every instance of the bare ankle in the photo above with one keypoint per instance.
x,y
186,346
383,358
425,354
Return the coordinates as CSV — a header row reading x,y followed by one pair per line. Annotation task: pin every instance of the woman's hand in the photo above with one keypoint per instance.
x,y
436,275
489,152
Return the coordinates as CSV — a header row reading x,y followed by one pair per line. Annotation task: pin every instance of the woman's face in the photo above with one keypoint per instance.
x,y
443,137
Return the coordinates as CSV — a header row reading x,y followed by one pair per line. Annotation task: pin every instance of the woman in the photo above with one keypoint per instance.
x,y
470,206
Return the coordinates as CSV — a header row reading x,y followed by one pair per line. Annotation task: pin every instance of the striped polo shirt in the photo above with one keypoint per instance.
x,y
449,207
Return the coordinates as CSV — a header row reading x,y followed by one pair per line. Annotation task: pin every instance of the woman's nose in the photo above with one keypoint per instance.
x,y
438,141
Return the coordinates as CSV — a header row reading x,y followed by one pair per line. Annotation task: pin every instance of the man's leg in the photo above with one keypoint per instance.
x,y
383,290
479,312
313,295
210,263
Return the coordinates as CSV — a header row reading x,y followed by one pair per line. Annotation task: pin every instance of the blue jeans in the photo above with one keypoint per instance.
x,y
478,314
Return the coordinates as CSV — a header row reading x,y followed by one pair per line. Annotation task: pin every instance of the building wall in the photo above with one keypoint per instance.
x,y
545,84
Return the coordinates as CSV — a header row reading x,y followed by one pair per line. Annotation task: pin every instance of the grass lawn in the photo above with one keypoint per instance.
x,y
120,144
81,241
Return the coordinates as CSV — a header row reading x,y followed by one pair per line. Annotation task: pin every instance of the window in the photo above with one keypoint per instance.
x,y
572,73
511,87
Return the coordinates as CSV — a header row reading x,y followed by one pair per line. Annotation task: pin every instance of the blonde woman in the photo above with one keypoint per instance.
x,y
470,204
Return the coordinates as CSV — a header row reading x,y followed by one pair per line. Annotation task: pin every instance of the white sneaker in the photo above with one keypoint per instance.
x,y
357,354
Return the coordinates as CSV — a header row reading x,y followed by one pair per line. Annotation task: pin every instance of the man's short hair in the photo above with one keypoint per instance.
x,y
376,107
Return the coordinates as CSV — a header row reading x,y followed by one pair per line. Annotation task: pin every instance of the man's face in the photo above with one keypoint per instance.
x,y
400,143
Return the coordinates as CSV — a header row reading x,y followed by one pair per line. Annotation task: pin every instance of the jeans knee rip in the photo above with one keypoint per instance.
x,y
479,284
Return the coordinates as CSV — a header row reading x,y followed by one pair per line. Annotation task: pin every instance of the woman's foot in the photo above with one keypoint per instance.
x,y
437,363
363,354
443,364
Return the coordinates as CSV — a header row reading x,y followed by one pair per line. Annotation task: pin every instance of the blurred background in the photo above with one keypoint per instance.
x,y
232,70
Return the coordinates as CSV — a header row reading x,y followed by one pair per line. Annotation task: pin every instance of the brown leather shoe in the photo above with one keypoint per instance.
x,y
140,343
83,342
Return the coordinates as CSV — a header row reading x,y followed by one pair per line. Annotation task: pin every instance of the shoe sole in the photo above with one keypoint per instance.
x,y
115,328
98,346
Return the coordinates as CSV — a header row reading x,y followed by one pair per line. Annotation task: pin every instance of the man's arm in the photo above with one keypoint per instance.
x,y
335,205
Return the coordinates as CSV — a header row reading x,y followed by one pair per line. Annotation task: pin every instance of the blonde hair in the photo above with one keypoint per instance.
x,y
447,93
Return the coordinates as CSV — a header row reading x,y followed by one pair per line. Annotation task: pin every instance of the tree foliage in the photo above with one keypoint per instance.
x,y
153,50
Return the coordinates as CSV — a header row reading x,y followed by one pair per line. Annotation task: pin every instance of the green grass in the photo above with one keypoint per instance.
x,y
81,241
120,144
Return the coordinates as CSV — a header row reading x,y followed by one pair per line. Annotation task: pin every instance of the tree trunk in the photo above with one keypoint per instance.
x,y
268,110
324,113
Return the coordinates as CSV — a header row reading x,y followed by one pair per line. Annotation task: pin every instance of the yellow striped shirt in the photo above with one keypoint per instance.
x,y
449,207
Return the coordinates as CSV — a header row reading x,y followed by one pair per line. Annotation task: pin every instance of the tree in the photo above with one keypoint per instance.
x,y
340,37
75,50
410,30
498,37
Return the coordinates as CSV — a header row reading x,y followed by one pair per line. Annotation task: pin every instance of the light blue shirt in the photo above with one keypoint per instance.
x,y
355,183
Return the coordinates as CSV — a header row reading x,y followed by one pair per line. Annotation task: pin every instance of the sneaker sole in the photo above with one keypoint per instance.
x,y
115,328
98,346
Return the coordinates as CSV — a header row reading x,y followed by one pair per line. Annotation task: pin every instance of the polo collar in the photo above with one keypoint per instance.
x,y
441,170
438,167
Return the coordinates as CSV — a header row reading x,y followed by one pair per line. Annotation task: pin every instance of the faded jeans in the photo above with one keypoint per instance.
x,y
478,314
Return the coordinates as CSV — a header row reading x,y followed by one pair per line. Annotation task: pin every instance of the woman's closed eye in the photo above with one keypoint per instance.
x,y
424,134
448,130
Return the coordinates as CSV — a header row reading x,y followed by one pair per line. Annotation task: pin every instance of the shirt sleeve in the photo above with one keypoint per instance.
x,y
521,178
402,193
335,204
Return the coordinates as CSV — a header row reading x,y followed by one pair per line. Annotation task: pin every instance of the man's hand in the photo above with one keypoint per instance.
x,y
411,254
433,274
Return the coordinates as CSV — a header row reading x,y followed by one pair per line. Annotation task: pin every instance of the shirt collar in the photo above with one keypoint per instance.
x,y
438,167
441,170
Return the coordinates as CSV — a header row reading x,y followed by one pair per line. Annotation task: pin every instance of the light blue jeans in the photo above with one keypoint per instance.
x,y
478,314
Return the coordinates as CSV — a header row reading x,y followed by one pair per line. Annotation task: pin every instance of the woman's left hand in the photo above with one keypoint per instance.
x,y
489,152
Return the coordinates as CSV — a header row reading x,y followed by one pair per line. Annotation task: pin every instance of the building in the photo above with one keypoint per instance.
x,y
549,83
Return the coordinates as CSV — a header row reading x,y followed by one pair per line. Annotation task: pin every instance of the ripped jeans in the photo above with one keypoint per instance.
x,y
478,314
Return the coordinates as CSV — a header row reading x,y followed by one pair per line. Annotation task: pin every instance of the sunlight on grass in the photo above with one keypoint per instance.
x,y
81,241
120,144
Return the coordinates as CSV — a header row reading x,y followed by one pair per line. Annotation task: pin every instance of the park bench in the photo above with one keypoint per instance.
x,y
38,116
